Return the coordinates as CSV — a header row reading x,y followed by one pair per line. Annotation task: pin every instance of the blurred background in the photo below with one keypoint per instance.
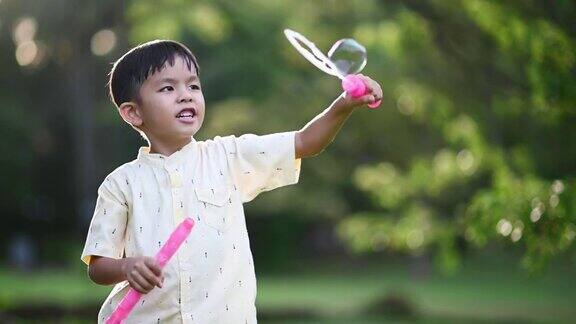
x,y
454,202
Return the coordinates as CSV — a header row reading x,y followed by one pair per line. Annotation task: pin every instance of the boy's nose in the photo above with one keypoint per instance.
x,y
185,99
185,96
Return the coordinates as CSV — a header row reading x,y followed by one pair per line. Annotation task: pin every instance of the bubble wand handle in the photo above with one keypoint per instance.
x,y
354,86
166,252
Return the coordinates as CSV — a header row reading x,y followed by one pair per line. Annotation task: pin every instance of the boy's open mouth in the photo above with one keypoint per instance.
x,y
186,113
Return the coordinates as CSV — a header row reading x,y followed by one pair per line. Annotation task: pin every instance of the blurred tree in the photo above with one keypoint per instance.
x,y
491,86
50,50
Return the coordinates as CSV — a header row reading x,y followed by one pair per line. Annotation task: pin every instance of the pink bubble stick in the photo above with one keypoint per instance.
x,y
355,87
166,252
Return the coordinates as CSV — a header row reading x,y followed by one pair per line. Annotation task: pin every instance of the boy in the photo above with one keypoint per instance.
x,y
211,279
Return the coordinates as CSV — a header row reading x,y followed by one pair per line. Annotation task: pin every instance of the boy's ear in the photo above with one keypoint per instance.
x,y
131,113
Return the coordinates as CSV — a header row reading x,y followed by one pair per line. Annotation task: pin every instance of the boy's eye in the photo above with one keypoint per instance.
x,y
194,87
166,88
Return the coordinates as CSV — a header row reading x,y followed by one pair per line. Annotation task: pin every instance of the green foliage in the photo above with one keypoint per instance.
x,y
499,169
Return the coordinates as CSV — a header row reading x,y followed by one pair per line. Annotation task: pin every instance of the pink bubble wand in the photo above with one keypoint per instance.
x,y
344,68
166,252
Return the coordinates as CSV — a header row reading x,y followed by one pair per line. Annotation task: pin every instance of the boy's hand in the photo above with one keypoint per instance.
x,y
373,94
143,273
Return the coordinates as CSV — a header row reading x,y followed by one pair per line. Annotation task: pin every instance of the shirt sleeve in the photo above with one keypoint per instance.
x,y
106,232
262,163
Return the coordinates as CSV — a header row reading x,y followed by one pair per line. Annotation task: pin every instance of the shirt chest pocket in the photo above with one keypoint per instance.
x,y
216,206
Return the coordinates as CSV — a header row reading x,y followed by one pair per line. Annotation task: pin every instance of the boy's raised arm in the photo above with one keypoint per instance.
x,y
313,138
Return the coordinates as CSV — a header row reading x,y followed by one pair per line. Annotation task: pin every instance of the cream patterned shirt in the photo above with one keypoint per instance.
x,y
211,278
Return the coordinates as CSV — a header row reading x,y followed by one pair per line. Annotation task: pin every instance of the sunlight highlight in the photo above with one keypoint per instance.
x,y
103,42
504,227
25,30
26,53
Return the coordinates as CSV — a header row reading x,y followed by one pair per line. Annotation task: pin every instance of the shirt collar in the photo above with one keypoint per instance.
x,y
169,162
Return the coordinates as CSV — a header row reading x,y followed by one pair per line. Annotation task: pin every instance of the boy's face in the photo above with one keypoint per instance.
x,y
172,103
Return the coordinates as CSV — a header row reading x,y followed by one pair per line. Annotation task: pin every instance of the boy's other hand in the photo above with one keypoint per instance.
x,y
143,273
373,94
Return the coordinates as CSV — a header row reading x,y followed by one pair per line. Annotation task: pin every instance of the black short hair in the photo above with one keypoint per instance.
x,y
133,68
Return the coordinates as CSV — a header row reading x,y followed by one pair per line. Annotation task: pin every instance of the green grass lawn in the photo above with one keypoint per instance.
x,y
485,291
481,292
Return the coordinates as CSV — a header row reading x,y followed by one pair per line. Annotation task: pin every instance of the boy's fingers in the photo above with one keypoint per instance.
x,y
142,282
372,86
160,281
366,99
153,265
152,278
367,80
137,286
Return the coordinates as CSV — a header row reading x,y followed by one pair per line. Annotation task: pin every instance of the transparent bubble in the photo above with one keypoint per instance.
x,y
348,55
